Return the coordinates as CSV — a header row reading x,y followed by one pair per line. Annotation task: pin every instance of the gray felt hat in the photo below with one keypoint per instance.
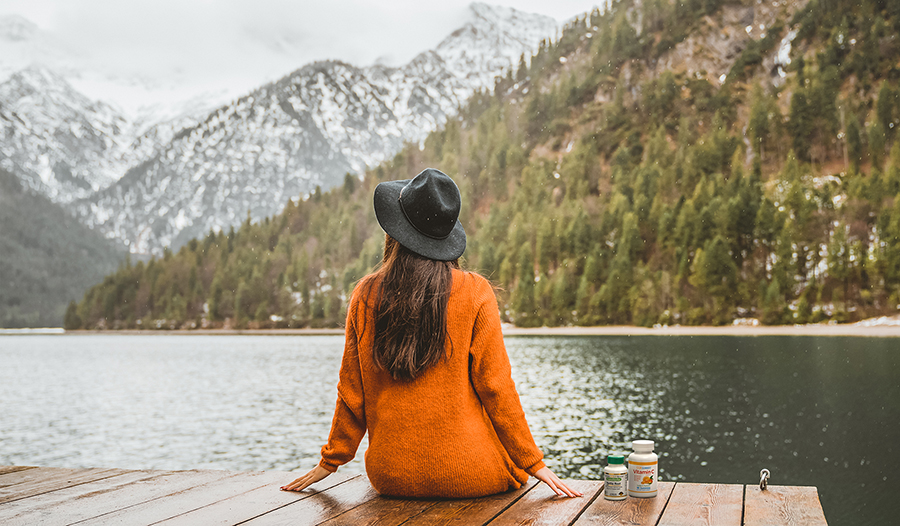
x,y
422,214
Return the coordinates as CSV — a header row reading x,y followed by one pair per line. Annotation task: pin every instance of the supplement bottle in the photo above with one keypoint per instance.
x,y
616,476
643,468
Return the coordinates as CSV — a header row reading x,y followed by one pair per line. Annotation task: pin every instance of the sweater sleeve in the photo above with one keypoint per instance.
x,y
349,424
492,378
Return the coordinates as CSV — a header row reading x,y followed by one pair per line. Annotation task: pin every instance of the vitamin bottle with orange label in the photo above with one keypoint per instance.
x,y
643,468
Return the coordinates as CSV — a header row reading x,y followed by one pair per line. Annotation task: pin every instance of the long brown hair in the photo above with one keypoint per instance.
x,y
410,310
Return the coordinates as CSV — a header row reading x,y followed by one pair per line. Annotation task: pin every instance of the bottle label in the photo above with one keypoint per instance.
x,y
615,485
642,477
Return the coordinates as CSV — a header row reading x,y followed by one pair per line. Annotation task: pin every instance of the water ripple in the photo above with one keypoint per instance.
x,y
816,411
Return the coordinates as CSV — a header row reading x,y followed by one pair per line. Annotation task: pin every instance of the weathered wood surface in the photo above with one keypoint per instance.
x,y
541,506
704,504
70,505
249,505
628,512
190,499
51,481
12,469
322,506
473,511
783,506
34,495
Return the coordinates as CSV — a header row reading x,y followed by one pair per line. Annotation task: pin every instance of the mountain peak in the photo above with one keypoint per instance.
x,y
493,40
508,23
17,28
42,81
507,19
306,130
492,12
60,142
37,75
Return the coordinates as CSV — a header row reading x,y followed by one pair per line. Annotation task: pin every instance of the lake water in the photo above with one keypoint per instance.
x,y
814,411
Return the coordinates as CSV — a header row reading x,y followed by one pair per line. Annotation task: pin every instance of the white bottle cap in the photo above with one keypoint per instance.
x,y
642,446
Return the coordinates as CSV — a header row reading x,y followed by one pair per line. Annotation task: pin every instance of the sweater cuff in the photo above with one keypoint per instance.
x,y
328,465
535,468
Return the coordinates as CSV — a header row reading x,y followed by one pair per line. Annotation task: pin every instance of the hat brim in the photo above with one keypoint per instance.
x,y
394,222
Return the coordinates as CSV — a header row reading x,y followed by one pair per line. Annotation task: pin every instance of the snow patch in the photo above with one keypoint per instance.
x,y
783,57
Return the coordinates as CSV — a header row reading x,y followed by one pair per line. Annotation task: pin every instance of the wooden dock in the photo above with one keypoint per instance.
x,y
59,496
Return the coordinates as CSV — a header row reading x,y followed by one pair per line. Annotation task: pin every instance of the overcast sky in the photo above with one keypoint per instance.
x,y
206,33
164,52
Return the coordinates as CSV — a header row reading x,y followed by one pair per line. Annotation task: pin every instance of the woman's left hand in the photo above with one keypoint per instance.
x,y
559,487
315,475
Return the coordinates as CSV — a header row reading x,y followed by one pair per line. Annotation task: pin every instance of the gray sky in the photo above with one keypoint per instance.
x,y
189,30
197,46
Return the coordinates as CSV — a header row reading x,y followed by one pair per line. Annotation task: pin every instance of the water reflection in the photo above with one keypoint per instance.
x,y
167,402
815,411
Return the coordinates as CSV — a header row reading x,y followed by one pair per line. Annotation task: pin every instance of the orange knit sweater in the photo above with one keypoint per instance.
x,y
458,429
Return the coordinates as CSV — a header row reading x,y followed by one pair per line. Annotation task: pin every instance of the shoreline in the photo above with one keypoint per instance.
x,y
859,330
880,331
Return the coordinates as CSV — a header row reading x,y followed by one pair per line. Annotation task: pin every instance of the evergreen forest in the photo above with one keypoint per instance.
x,y
608,180
47,257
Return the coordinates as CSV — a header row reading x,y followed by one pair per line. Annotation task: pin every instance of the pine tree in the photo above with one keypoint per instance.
x,y
758,126
890,236
715,274
214,301
854,142
885,109
839,257
774,306
350,181
563,296
801,122
877,141
72,321
547,244
523,296
892,173
522,71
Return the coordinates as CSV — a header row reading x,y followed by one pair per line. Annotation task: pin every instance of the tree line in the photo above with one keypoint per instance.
x,y
598,193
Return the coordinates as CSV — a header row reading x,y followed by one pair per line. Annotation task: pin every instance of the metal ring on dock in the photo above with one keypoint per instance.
x,y
763,478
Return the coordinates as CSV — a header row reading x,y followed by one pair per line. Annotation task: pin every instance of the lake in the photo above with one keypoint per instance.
x,y
822,411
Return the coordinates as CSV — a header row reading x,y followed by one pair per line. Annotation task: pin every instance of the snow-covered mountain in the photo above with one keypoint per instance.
x,y
143,98
305,130
22,44
59,139
59,142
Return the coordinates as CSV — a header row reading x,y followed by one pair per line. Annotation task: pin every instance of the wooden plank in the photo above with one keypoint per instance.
x,y
12,469
542,507
783,506
696,504
470,511
628,512
36,495
103,503
252,504
54,482
381,511
57,506
30,475
321,506
191,498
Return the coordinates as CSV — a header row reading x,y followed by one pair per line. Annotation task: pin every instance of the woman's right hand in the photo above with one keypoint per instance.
x,y
559,487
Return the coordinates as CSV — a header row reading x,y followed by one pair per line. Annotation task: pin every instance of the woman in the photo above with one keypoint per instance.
x,y
424,369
